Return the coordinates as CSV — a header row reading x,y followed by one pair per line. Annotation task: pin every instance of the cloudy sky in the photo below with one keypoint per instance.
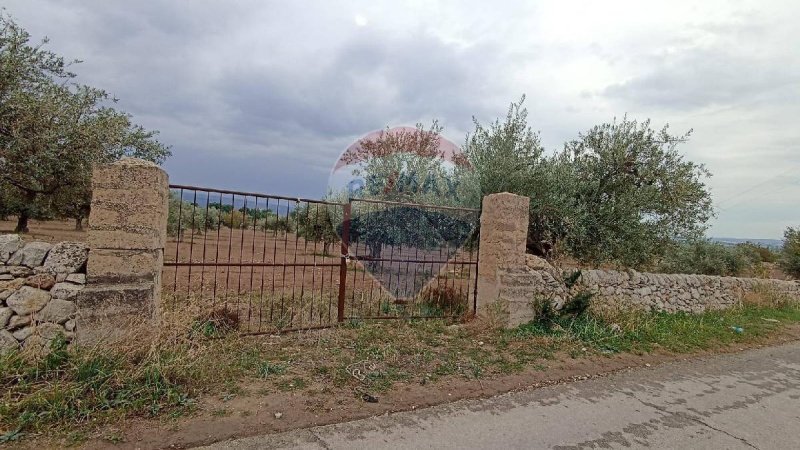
x,y
264,96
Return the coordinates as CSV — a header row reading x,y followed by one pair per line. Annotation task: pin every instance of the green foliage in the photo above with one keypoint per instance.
x,y
278,223
571,279
53,130
709,258
186,216
443,301
268,368
619,193
758,253
677,332
544,314
790,253
407,166
577,305
315,224
508,156
634,193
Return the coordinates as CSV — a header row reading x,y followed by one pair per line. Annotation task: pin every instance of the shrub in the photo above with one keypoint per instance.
x,y
790,253
445,300
708,258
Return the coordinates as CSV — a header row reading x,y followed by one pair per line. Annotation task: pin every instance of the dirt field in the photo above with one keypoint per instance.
x,y
273,280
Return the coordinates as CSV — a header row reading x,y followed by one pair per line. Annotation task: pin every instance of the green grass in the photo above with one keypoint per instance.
x,y
677,332
76,390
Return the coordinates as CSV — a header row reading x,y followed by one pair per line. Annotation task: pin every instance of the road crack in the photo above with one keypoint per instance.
x,y
693,418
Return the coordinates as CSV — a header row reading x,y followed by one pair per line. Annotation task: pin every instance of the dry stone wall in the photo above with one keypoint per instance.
x,y
677,292
509,280
537,279
39,283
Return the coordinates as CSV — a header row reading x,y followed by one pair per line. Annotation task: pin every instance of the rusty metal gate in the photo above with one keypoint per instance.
x,y
273,263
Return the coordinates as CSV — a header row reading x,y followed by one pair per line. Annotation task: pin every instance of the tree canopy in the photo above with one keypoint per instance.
x,y
790,253
621,192
53,130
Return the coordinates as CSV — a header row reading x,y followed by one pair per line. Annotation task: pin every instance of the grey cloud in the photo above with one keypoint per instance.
x,y
370,81
704,77
264,96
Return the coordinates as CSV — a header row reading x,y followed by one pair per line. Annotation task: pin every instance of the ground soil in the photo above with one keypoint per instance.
x,y
249,413
288,296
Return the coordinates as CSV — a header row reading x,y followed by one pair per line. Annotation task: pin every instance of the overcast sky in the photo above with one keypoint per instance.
x,y
264,96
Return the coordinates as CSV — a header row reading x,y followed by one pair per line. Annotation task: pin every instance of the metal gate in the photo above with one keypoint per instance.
x,y
410,260
273,263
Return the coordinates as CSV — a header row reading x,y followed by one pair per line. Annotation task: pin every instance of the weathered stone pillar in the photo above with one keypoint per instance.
x,y
504,231
126,237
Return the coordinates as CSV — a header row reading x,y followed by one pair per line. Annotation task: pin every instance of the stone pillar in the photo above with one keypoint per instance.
x,y
504,232
126,237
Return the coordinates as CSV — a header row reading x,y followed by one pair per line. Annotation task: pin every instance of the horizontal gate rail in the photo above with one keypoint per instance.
x,y
257,262
268,263
188,264
252,194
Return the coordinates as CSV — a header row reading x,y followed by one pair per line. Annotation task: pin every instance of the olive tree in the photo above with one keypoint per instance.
x,y
621,192
507,156
52,131
409,166
790,253
315,223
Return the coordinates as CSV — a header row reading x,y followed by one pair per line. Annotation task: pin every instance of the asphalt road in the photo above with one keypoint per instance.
x,y
745,400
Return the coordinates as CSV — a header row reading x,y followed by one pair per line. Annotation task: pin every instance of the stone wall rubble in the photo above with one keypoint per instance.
x,y
39,283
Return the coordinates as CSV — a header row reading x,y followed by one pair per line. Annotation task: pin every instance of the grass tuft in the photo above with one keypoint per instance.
x,y
76,390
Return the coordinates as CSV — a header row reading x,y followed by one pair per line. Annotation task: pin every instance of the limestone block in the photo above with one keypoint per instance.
x,y
28,300
65,291
9,243
5,315
43,281
76,278
31,255
127,237
124,266
20,271
18,322
7,341
57,311
23,333
43,335
66,257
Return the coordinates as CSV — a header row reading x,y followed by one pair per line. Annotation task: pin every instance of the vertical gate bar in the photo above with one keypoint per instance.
x,y
353,292
314,253
243,225
178,241
230,248
274,259
216,252
263,268
477,257
305,257
343,260
293,305
205,237
252,266
191,244
285,258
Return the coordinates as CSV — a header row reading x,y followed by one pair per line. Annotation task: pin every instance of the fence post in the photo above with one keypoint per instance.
x,y
504,232
346,210
127,234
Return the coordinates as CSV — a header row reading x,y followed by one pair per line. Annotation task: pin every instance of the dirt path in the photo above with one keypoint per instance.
x,y
740,401
251,414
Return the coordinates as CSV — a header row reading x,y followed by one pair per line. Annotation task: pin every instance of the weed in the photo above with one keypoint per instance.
x,y
296,383
267,369
221,412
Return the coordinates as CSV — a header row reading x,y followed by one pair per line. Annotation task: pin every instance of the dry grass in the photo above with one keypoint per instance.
x,y
195,353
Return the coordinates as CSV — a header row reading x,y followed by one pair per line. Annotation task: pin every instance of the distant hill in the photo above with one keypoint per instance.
x,y
769,243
